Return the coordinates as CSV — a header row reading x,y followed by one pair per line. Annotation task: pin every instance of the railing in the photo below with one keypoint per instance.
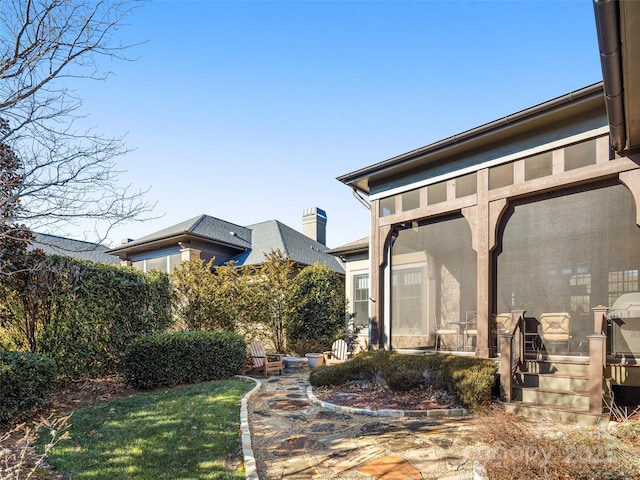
x,y
512,358
511,353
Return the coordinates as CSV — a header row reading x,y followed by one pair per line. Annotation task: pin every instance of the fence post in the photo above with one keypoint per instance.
x,y
597,359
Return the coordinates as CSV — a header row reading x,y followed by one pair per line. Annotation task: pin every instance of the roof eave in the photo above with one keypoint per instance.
x,y
482,135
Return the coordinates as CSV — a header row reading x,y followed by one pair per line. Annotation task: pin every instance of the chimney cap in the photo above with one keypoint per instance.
x,y
314,211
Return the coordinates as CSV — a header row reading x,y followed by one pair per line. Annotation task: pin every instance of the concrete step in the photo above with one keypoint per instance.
x,y
558,414
562,367
554,381
577,399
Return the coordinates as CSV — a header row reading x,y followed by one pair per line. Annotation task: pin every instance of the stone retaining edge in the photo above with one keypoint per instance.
x,y
251,471
436,412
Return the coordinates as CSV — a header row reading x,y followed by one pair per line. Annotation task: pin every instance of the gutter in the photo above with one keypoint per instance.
x,y
607,14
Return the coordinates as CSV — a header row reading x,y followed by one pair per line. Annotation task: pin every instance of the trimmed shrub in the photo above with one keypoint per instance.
x,y
168,359
27,380
471,379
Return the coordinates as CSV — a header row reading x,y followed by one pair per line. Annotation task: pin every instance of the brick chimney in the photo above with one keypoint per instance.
x,y
314,224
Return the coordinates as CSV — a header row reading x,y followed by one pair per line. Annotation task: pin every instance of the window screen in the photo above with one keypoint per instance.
x,y
580,155
538,166
568,253
500,176
437,193
466,185
433,282
410,200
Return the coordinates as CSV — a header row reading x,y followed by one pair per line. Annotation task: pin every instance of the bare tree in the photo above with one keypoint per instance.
x,y
69,173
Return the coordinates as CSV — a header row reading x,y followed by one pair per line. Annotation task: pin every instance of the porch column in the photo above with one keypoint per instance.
x,y
189,254
377,262
506,374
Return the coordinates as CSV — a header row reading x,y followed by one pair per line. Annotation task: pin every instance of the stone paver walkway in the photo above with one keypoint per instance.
x,y
296,439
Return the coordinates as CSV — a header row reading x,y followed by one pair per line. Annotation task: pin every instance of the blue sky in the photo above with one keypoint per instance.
x,y
249,110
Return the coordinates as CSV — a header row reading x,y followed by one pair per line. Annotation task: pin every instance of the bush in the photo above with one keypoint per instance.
x,y
471,379
27,380
317,308
168,359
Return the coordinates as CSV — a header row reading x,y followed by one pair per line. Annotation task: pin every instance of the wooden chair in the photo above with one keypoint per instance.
x,y
339,353
447,331
555,329
502,325
265,362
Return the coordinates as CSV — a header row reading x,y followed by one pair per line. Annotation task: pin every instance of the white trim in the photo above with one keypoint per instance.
x,y
591,134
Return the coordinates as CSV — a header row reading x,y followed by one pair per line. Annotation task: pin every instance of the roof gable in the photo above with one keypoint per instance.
x,y
272,235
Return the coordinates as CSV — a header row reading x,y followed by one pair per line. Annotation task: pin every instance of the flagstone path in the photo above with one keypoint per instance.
x,y
296,439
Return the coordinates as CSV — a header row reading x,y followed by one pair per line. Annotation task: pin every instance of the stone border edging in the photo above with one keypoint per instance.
x,y
251,471
435,412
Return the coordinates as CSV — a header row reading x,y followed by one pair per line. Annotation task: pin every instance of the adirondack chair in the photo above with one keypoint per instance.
x,y
555,329
339,353
265,362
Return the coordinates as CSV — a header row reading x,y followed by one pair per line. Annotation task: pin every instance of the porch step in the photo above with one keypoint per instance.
x,y
554,389
578,399
566,367
556,413
554,381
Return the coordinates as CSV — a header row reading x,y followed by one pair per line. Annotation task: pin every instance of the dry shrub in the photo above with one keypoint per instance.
x,y
19,456
514,448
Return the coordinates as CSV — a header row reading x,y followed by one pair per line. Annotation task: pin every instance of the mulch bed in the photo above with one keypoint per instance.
x,y
377,397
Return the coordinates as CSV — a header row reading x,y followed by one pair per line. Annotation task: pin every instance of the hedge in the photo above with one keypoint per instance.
x,y
26,381
83,314
168,359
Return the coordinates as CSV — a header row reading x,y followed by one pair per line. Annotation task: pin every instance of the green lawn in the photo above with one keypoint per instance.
x,y
190,432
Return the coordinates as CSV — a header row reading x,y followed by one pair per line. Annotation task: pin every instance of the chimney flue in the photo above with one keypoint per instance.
x,y
314,224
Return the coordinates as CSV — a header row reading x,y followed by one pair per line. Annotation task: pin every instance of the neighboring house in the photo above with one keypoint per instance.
x,y
54,245
205,237
535,217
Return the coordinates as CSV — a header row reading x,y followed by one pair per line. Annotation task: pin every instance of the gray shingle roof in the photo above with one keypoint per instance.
x,y
205,226
54,245
272,234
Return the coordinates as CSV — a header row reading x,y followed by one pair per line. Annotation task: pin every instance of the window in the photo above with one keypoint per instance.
x,y
360,314
407,300
387,206
622,282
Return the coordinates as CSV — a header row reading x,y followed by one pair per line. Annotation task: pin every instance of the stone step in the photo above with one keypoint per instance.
x,y
577,399
554,381
555,413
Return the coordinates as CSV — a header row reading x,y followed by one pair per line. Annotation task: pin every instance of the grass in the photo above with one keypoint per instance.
x,y
189,432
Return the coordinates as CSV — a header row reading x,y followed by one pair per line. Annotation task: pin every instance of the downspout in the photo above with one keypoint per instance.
x,y
366,204
607,14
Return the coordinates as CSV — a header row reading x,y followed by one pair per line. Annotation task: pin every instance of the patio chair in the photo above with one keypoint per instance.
x,y
554,329
265,362
339,353
448,331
